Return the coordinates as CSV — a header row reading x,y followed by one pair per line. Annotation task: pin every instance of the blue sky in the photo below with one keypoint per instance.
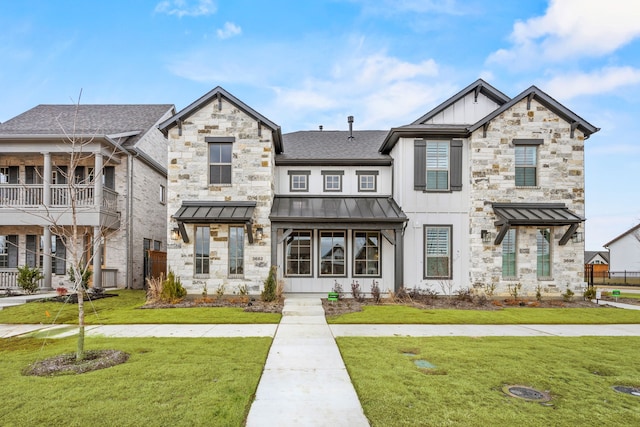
x,y
309,63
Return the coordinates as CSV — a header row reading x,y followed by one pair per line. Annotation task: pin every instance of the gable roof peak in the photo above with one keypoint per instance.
x,y
478,87
219,92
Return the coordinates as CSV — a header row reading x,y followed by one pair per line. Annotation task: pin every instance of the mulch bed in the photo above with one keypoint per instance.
x,y
249,304
66,364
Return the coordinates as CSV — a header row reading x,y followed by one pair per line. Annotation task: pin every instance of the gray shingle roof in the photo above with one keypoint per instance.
x,y
590,255
90,119
329,146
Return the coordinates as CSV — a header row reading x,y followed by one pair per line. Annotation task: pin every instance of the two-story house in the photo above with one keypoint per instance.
x,y
101,168
483,189
494,190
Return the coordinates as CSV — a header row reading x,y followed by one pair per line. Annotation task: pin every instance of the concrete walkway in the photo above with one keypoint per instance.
x,y
305,382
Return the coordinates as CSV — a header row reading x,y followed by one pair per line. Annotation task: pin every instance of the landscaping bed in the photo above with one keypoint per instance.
x,y
248,304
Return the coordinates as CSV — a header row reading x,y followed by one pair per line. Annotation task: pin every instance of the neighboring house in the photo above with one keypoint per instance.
x,y
596,262
624,251
119,216
483,189
221,183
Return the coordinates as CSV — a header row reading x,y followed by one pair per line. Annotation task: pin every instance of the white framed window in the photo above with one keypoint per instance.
x,y
526,165
299,181
367,181
437,252
220,154
332,180
437,165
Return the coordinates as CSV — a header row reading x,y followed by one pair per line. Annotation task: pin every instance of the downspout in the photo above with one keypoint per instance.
x,y
129,227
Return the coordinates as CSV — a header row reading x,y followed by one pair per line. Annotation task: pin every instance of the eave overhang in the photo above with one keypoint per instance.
x,y
422,131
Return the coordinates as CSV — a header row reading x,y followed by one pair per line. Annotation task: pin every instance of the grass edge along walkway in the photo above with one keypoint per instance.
x,y
400,314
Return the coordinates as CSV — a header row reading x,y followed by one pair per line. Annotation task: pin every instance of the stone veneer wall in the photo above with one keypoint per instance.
x,y
560,173
252,180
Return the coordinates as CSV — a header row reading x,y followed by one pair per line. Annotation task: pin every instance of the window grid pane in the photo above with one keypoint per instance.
x,y
298,254
526,159
367,182
298,182
543,244
437,165
202,250
366,253
332,182
332,253
437,252
220,155
236,251
509,254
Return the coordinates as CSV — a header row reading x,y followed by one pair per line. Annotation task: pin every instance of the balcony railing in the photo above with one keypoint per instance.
x,y
9,279
27,196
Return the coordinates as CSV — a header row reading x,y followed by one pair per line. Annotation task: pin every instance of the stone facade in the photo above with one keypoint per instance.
x,y
560,179
252,180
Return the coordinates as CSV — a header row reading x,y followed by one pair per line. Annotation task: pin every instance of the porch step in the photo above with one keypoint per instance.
x,y
303,311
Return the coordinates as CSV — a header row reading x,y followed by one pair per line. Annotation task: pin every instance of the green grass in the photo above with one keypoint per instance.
x,y
400,314
124,309
159,386
465,389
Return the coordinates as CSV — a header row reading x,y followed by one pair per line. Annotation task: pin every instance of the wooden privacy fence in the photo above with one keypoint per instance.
x,y
157,264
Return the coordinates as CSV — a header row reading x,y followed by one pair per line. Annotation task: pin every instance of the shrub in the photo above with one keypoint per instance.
x,y
375,292
567,296
489,290
61,291
172,290
337,288
154,288
590,293
28,278
84,280
269,292
220,290
402,295
356,293
514,290
539,293
243,290
464,294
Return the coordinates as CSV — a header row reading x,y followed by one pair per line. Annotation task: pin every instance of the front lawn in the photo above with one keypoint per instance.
x,y
401,314
125,309
465,387
207,382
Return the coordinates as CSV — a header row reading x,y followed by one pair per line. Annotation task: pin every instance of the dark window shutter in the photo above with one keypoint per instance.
x,y
31,250
61,256
13,174
12,251
419,165
30,174
79,174
109,177
62,174
456,165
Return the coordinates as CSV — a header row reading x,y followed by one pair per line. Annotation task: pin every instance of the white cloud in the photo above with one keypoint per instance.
x,y
229,30
602,81
571,29
182,8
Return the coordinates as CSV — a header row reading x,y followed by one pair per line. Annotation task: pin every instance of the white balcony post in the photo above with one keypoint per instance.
x,y
97,181
47,261
97,258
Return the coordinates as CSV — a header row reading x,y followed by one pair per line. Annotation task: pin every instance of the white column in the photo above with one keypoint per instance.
x,y
97,181
47,261
97,258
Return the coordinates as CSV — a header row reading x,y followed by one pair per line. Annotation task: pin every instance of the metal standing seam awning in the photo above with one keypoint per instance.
x,y
535,214
206,212
336,209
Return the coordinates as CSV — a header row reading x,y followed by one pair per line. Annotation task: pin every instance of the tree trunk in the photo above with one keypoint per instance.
x,y
80,350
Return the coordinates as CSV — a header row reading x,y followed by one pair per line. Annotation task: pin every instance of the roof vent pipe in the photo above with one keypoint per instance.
x,y
320,127
350,120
